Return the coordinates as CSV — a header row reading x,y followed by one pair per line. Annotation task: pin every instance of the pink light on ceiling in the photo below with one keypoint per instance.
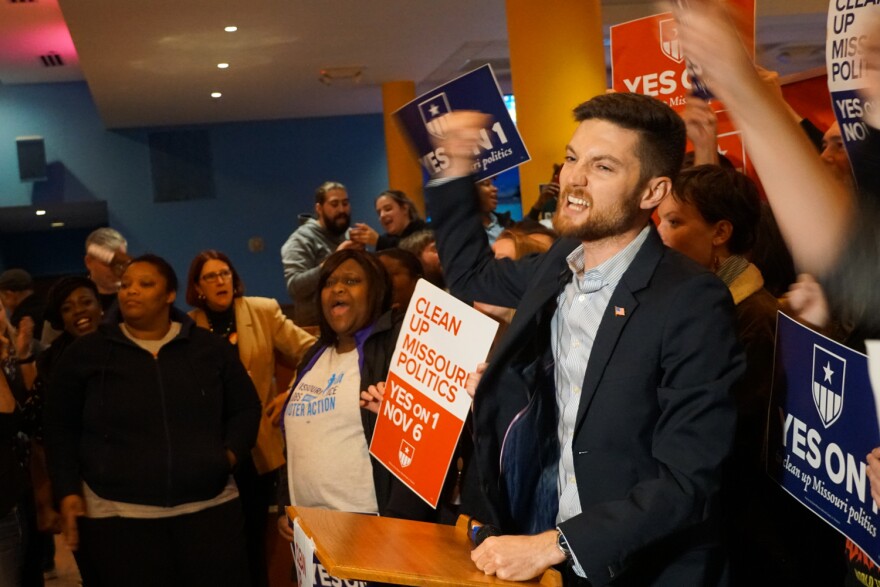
x,y
28,33
56,38
48,38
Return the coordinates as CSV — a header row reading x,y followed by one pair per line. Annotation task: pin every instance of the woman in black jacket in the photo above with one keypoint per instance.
x,y
145,422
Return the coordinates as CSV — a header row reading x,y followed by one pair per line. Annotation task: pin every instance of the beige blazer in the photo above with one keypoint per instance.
x,y
262,329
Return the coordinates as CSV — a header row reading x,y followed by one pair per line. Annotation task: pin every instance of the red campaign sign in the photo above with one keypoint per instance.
x,y
646,58
415,432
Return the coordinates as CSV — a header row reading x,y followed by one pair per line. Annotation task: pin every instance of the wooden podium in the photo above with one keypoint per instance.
x,y
388,550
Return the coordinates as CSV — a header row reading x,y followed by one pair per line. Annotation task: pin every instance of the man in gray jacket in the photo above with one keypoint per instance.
x,y
310,244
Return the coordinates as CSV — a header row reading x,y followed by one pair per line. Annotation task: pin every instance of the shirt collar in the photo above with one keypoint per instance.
x,y
609,271
493,221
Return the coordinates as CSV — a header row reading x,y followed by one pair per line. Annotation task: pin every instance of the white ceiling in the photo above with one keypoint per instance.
x,y
154,63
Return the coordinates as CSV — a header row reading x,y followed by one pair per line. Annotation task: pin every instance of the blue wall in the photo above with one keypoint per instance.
x,y
265,174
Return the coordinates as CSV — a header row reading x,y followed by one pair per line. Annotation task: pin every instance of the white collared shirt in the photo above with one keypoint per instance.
x,y
579,311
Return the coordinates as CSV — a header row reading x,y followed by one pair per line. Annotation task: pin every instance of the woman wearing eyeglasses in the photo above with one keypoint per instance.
x,y
258,329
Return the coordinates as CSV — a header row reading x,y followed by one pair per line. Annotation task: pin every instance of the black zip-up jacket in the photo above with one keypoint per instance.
x,y
148,430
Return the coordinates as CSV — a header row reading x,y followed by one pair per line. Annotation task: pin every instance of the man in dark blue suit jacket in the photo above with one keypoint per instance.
x,y
604,417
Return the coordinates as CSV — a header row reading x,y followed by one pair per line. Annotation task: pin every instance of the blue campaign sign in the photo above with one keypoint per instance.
x,y
823,423
849,107
501,147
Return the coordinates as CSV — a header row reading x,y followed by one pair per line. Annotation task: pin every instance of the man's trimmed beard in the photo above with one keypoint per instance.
x,y
338,224
599,224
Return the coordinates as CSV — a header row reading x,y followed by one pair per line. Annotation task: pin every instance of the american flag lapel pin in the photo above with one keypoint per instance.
x,y
618,311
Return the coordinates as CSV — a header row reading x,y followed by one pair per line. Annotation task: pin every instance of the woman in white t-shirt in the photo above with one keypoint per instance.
x,y
326,431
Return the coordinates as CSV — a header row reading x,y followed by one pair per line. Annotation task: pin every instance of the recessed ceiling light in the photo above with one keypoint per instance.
x,y
222,65
216,94
40,212
57,224
231,29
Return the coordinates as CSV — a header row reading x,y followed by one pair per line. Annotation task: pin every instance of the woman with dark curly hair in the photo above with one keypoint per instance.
x,y
712,217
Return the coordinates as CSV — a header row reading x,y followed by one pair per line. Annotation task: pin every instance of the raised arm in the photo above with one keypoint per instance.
x,y
289,339
469,266
813,210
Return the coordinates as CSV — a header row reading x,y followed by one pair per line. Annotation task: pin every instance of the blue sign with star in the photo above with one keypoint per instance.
x,y
822,425
500,148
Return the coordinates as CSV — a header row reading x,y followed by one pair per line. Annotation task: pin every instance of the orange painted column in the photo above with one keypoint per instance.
x,y
557,61
404,172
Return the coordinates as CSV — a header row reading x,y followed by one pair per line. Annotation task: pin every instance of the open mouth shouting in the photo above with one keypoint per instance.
x,y
576,203
339,308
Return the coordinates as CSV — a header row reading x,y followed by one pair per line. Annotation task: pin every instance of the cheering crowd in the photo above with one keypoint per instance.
x,y
618,430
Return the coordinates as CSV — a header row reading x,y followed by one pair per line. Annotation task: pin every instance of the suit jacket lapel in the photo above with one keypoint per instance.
x,y
610,328
619,312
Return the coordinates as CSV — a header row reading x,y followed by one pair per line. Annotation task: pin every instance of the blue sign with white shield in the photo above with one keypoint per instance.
x,y
500,146
823,423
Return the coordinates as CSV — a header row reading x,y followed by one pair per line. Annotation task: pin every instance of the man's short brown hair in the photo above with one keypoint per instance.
x,y
661,131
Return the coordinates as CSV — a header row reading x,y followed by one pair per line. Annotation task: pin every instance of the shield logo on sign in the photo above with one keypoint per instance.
x,y
432,111
829,374
669,43
405,453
